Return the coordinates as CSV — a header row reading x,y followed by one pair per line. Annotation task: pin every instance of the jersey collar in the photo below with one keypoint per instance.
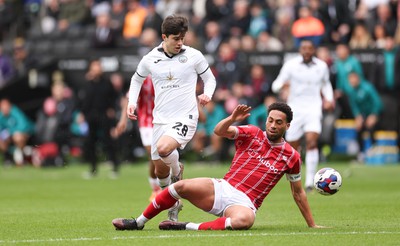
x,y
161,49
312,62
274,144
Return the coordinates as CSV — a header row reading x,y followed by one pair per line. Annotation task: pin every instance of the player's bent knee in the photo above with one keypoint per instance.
x,y
242,223
163,151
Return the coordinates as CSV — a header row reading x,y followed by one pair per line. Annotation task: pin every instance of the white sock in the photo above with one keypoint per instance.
x,y
172,160
141,220
153,183
228,223
164,182
312,158
192,226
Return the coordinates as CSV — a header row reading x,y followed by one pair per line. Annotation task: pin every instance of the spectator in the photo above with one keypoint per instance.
x,y
337,21
259,81
66,107
192,40
344,64
361,37
104,36
98,108
168,7
379,36
47,151
266,42
6,68
7,18
282,28
153,19
147,41
237,23
307,27
50,15
259,21
382,15
205,142
387,84
217,10
366,106
99,8
248,44
239,94
73,14
227,69
133,23
16,129
212,38
23,61
117,15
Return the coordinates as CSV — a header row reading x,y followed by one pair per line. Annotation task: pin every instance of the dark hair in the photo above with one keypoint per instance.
x,y
284,108
174,25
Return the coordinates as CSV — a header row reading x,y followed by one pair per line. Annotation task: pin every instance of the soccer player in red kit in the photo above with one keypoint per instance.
x,y
260,161
145,122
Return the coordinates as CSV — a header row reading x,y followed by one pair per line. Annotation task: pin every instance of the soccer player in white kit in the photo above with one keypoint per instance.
x,y
174,69
307,78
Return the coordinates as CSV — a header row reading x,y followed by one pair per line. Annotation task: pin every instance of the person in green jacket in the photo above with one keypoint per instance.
x,y
366,105
15,131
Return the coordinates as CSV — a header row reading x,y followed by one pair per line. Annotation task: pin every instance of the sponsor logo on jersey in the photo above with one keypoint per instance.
x,y
267,164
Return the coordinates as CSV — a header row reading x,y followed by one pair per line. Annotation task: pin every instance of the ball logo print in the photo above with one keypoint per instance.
x,y
327,181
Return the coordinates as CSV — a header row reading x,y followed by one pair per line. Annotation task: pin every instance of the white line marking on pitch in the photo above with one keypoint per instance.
x,y
194,236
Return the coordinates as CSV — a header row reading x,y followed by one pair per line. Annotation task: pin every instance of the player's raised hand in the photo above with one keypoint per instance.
x,y
130,111
203,99
241,112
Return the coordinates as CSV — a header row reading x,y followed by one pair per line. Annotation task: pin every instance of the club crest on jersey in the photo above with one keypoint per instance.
x,y
183,59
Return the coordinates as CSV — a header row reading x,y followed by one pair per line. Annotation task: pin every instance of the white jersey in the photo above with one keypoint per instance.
x,y
174,79
307,82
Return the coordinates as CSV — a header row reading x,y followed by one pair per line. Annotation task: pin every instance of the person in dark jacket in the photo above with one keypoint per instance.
x,y
97,106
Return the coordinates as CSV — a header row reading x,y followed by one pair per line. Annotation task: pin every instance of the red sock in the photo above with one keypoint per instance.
x,y
218,224
163,201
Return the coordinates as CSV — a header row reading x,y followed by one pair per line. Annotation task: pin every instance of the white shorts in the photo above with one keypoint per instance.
x,y
146,135
180,130
303,122
226,196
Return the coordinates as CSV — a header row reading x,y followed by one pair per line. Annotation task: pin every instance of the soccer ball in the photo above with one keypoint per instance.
x,y
327,181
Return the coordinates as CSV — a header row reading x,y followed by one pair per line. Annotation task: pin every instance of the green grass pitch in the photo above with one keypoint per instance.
x,y
58,207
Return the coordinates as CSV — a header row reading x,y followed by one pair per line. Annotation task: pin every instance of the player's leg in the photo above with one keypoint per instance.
x,y
198,191
146,135
312,128
311,159
167,149
234,207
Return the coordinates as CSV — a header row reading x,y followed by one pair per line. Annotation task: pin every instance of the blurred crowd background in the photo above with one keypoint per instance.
x,y
47,47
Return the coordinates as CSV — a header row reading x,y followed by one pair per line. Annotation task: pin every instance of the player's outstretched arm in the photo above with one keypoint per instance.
x,y
300,198
224,128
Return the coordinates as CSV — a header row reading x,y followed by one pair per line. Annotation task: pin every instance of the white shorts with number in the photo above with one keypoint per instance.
x,y
146,135
226,196
303,122
181,130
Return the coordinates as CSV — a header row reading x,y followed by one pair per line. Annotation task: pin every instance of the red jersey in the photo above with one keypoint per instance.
x,y
145,104
258,164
